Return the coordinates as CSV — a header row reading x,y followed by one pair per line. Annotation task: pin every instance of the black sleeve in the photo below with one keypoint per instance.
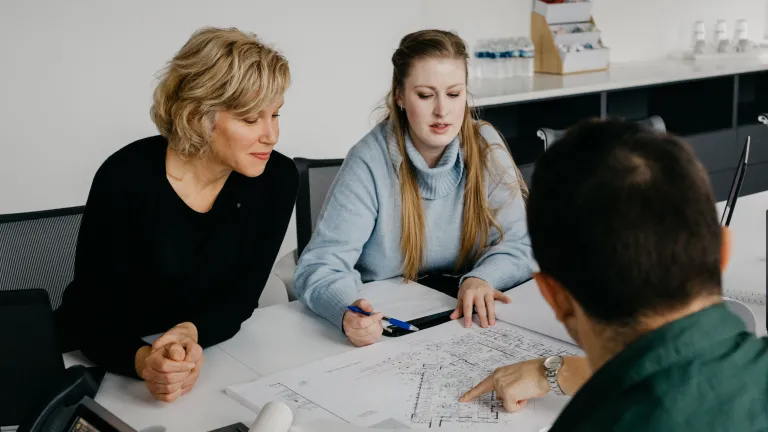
x,y
104,279
221,317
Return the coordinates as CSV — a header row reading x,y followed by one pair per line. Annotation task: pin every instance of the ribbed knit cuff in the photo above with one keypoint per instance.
x,y
500,272
333,305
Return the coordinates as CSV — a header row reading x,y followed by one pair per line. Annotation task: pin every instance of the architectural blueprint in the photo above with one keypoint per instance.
x,y
414,382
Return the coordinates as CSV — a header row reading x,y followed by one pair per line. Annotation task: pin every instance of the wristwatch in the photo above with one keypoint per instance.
x,y
552,366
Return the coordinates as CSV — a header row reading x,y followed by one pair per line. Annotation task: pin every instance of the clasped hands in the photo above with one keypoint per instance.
x,y
171,365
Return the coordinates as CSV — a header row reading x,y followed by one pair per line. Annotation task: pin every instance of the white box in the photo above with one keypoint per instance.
x,y
560,13
577,38
587,60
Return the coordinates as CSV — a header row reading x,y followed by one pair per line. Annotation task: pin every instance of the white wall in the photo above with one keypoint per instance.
x,y
76,77
637,30
634,30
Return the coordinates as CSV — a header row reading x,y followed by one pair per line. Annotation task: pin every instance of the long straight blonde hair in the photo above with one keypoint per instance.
x,y
478,218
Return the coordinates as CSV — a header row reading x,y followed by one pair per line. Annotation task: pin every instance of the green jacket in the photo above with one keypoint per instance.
x,y
704,372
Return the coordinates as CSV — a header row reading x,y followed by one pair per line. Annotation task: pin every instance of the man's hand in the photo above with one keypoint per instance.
x,y
360,329
479,294
513,384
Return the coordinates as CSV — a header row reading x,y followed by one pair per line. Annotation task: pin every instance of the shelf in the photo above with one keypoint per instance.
x,y
618,77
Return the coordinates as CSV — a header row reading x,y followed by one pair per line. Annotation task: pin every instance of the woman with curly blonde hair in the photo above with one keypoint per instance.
x,y
181,229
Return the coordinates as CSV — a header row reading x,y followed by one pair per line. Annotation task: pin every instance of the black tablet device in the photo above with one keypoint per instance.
x,y
738,180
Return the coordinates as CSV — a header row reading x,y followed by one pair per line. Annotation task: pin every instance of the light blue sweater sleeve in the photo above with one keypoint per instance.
x,y
325,279
510,262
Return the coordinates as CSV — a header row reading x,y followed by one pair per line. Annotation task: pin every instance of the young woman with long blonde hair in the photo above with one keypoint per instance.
x,y
429,189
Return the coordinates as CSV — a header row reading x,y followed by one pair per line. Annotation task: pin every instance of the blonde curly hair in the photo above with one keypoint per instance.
x,y
217,69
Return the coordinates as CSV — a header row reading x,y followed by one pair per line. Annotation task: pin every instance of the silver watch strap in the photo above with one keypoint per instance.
x,y
552,380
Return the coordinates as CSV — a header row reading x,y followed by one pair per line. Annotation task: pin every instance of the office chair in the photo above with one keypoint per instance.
x,y
315,179
37,250
549,136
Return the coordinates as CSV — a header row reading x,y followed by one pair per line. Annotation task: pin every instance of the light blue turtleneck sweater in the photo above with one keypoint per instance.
x,y
357,236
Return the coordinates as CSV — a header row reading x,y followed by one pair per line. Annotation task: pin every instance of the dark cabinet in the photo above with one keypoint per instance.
x,y
714,115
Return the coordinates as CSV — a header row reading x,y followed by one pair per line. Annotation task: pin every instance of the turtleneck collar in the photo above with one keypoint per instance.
x,y
434,182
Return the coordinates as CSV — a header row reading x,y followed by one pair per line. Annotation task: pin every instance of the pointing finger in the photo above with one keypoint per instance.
x,y
484,387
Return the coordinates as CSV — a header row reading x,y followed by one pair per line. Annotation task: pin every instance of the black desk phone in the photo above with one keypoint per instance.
x,y
68,406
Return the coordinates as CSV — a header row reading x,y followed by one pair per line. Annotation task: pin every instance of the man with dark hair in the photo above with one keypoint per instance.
x,y
623,226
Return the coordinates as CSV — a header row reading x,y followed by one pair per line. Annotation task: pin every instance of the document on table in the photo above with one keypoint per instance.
x,y
414,382
406,301
529,309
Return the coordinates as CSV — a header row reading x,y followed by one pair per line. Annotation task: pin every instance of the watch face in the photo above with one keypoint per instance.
x,y
553,362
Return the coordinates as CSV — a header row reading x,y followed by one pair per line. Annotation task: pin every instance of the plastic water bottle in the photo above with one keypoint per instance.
x,y
527,59
501,59
513,53
699,38
721,36
741,40
509,57
496,63
478,69
476,62
521,57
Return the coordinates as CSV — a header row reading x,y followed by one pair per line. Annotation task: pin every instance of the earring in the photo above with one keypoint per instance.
x,y
401,108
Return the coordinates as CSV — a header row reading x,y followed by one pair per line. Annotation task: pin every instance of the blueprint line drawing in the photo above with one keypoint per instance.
x,y
298,402
436,402
415,381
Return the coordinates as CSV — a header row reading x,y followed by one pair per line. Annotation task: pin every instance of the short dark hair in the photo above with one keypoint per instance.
x,y
624,218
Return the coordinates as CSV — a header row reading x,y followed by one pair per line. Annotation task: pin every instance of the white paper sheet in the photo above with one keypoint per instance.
x,y
529,310
413,382
406,301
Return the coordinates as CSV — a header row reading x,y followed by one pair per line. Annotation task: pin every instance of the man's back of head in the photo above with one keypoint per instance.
x,y
624,218
623,225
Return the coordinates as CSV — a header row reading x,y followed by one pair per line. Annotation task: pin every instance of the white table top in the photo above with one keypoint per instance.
x,y
619,76
205,408
283,337
288,335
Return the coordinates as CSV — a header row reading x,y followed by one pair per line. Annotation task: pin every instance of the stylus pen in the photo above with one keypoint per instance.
x,y
394,322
